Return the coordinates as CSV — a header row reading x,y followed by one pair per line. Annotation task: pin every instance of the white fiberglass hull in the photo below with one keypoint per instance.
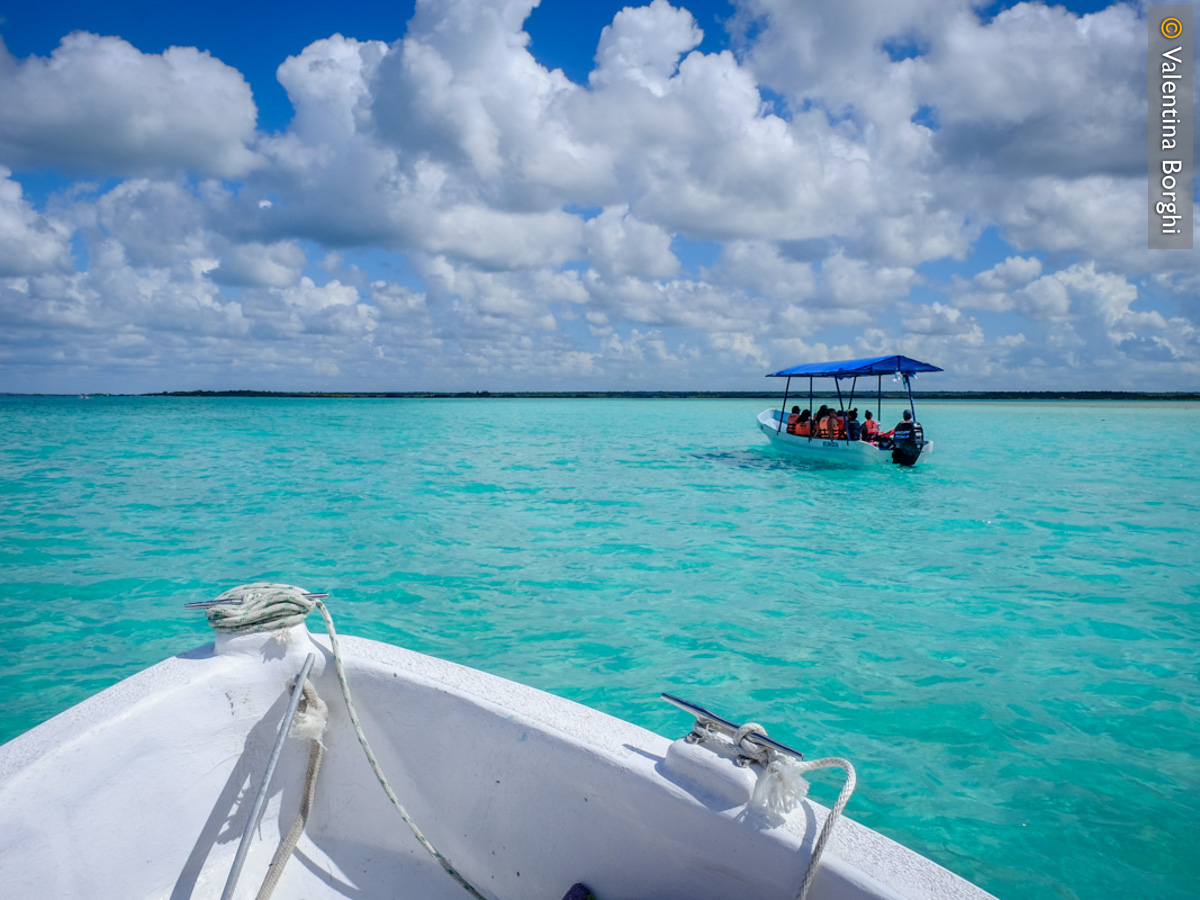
x,y
855,453
143,791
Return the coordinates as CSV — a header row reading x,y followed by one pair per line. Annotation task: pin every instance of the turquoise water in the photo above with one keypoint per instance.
x,y
1004,641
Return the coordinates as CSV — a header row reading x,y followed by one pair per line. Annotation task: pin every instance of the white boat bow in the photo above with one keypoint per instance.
x,y
145,790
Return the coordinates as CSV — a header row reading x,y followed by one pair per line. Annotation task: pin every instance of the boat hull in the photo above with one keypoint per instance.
x,y
143,791
852,453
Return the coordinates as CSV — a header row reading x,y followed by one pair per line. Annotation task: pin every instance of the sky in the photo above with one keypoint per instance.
x,y
468,195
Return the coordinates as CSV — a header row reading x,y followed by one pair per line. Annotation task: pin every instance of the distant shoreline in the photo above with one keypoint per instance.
x,y
660,395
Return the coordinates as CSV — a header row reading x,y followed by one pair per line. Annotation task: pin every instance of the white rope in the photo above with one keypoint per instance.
x,y
750,749
780,788
309,723
262,607
265,607
843,798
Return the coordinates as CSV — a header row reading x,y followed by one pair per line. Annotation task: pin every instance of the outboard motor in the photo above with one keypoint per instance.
x,y
907,447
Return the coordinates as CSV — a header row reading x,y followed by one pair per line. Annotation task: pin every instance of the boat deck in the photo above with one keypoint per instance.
x,y
326,868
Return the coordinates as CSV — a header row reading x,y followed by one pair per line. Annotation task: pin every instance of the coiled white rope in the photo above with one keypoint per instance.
x,y
266,607
780,788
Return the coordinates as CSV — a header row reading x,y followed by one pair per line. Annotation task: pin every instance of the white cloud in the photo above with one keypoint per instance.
x,y
503,240
1015,271
856,283
260,265
307,308
328,86
643,46
1030,90
990,289
395,301
462,88
157,223
684,218
937,318
30,243
762,268
617,244
98,105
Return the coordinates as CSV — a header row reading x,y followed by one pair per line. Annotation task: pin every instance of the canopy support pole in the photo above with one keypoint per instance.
x,y
908,384
850,403
837,383
879,400
783,410
812,423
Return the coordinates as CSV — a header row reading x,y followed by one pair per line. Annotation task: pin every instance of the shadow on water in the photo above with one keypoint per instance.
x,y
768,459
759,459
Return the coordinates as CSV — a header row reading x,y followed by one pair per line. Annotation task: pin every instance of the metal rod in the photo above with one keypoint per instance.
x,y
256,811
783,409
812,422
205,604
837,382
723,725
850,404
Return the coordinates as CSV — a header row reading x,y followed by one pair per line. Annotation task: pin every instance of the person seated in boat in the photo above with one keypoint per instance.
x,y
870,428
906,429
793,419
820,421
803,424
853,426
826,422
835,425
839,425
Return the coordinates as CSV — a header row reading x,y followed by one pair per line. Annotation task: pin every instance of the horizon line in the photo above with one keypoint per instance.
x,y
634,394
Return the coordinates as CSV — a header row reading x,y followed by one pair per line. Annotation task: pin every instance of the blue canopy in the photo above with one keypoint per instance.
x,y
846,368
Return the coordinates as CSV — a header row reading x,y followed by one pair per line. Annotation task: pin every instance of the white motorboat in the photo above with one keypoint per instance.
x,y
800,436
408,776
836,450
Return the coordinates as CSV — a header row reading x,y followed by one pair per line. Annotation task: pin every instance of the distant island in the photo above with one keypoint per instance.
x,y
688,395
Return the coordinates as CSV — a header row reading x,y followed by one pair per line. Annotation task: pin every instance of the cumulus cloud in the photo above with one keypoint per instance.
x,y
682,218
156,223
1015,271
258,265
461,87
991,289
856,283
643,46
937,318
30,243
328,86
1024,92
764,268
618,244
97,105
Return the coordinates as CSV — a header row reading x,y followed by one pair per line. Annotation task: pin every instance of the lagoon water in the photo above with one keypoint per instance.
x,y
1004,641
